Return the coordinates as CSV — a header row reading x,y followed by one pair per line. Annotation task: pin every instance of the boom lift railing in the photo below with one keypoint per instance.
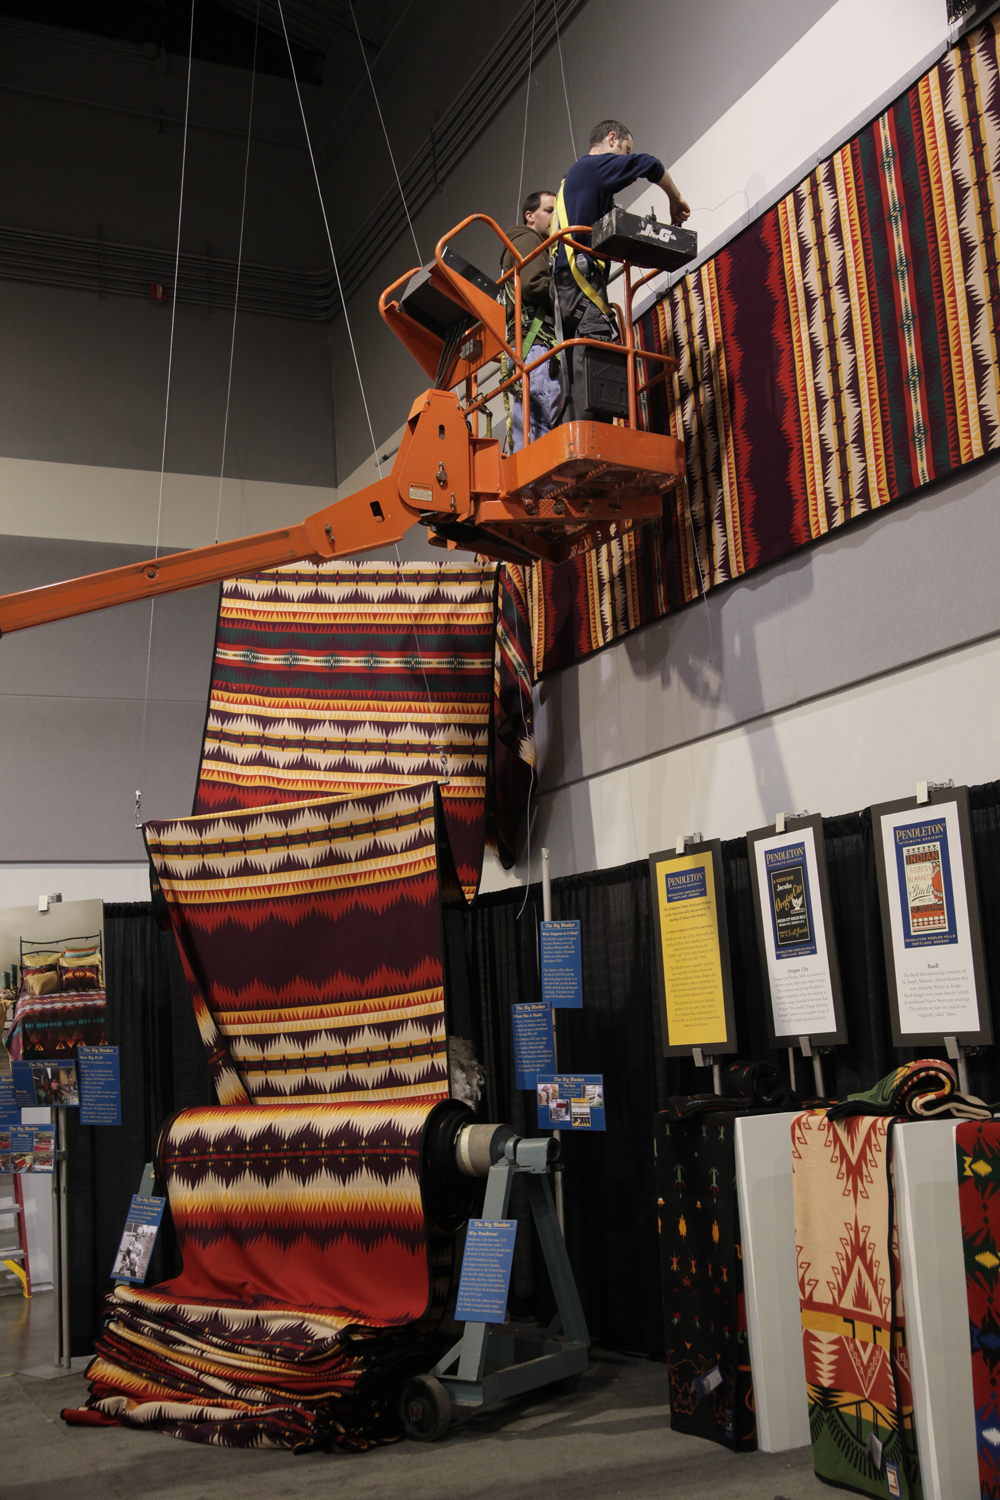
x,y
583,483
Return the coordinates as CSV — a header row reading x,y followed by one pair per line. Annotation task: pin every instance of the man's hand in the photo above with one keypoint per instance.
x,y
680,210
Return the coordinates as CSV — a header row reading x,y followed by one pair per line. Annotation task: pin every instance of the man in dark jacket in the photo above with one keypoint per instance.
x,y
588,193
537,326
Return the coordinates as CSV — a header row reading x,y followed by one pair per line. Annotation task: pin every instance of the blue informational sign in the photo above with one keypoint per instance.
x,y
10,1110
923,868
562,973
534,1043
24,1085
138,1239
100,1086
489,1255
570,1101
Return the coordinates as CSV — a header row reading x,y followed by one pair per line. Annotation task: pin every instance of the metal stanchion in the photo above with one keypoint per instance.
x,y
547,917
62,1164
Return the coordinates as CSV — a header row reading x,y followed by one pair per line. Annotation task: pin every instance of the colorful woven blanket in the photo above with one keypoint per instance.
x,y
58,1025
701,1260
853,1324
838,354
342,679
305,1244
978,1148
310,934
921,1090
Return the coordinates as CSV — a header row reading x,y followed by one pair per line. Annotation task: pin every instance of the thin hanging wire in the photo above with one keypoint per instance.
x,y
385,132
239,268
329,240
562,68
166,412
527,101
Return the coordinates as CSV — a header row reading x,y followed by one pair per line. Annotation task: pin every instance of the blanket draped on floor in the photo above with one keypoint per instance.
x,y
341,679
837,355
853,1324
708,1356
978,1148
310,934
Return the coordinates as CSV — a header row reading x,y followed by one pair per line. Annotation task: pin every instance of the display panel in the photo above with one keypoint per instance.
x,y
692,950
935,969
798,951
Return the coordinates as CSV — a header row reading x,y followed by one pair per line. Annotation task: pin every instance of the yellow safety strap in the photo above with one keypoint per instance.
x,y
560,221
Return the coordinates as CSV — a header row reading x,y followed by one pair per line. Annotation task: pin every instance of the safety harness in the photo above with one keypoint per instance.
x,y
560,220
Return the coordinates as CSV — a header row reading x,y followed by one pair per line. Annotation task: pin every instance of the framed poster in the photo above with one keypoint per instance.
x,y
692,950
798,953
935,968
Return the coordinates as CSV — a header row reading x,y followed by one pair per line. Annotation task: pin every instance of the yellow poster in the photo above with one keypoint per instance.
x,y
689,937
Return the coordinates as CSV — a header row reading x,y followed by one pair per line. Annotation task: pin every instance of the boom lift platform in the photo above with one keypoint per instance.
x,y
579,485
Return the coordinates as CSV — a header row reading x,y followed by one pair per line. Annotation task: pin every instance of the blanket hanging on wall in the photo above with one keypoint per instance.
x,y
307,1255
342,679
853,1324
978,1148
701,1260
837,355
310,935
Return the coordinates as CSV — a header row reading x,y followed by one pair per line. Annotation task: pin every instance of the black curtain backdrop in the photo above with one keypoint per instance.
x,y
492,963
163,1069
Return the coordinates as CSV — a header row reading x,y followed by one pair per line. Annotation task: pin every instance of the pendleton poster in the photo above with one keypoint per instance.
x,y
794,935
692,965
929,920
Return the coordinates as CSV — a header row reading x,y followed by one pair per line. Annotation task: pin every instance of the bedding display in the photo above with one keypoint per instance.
x,y
61,1004
837,355
342,679
978,1149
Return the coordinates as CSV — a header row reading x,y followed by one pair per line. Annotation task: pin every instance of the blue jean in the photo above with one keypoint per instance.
x,y
545,399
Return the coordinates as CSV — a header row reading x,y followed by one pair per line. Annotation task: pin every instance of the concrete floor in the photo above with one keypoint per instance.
x,y
610,1438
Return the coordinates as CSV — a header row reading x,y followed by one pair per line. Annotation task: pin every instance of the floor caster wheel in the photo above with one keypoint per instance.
x,y
425,1408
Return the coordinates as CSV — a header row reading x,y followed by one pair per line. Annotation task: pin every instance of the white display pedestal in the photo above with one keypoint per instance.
x,y
770,1280
937,1313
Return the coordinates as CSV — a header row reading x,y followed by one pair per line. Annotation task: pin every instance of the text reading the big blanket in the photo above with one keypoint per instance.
x,y
562,973
489,1255
100,1086
692,965
534,1045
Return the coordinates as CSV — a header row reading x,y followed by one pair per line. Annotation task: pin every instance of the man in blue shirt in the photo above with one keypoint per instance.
x,y
588,193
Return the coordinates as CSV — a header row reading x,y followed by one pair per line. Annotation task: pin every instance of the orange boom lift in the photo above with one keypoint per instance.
x,y
581,484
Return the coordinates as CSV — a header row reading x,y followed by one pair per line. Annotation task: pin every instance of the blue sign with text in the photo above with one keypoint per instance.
x,y
562,972
10,1110
100,1086
489,1255
570,1101
534,1042
24,1085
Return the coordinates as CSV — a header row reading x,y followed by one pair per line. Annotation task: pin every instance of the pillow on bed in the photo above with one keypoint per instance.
x,y
79,953
39,981
81,977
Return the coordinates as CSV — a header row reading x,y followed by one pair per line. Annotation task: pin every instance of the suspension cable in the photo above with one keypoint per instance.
x,y
527,100
329,240
562,68
239,268
385,132
166,410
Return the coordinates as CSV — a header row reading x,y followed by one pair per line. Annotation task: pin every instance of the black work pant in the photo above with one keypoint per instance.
x,y
580,319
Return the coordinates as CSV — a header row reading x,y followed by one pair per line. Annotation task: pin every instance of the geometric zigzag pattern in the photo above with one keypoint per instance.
x,y
58,1025
340,679
978,1149
302,1231
311,938
840,353
853,1337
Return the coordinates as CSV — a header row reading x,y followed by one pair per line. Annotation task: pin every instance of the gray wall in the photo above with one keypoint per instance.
x,y
71,700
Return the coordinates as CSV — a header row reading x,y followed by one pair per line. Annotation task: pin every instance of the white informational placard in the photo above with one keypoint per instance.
x,y
798,963
929,920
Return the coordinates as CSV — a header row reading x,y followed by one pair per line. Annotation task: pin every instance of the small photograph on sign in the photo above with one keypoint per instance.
x,y
55,1084
559,1111
579,1114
